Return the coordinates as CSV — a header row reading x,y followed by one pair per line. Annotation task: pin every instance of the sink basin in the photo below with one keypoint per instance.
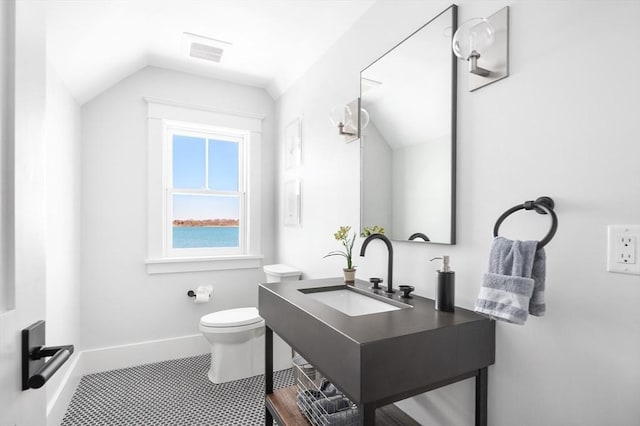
x,y
353,302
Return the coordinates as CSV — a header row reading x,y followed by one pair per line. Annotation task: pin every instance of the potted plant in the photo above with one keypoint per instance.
x,y
347,239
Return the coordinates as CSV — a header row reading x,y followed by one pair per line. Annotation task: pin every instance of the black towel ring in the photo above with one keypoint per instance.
x,y
542,205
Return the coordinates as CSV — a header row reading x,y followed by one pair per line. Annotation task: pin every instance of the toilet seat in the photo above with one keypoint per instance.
x,y
237,317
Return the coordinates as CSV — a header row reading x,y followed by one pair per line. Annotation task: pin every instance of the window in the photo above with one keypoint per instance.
x,y
204,191
206,195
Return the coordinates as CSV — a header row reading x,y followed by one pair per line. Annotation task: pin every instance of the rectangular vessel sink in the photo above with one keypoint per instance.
x,y
352,302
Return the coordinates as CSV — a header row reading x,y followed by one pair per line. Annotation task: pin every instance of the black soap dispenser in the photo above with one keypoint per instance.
x,y
446,286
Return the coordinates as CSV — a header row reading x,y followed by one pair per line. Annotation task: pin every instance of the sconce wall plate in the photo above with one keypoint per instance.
x,y
496,58
353,125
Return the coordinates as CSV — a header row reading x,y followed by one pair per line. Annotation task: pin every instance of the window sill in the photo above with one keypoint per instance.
x,y
169,265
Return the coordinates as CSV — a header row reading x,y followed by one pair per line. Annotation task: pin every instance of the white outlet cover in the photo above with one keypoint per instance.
x,y
615,234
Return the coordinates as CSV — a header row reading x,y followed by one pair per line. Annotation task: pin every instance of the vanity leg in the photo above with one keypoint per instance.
x,y
482,390
268,360
367,415
268,418
268,371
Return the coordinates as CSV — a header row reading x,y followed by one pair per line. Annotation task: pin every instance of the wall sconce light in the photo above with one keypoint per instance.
x,y
484,43
350,120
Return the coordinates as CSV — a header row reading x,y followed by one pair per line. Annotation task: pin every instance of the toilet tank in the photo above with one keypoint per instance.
x,y
280,272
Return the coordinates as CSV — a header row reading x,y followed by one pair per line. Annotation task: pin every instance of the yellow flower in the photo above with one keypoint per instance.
x,y
342,233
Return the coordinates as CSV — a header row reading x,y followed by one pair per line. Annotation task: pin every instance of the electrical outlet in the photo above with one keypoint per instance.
x,y
623,249
626,249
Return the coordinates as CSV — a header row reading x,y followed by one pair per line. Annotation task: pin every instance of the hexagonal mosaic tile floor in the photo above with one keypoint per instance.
x,y
175,392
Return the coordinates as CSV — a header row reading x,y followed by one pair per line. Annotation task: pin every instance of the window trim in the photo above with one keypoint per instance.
x,y
160,111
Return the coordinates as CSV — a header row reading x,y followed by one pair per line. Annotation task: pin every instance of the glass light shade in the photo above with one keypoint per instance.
x,y
476,34
364,118
341,114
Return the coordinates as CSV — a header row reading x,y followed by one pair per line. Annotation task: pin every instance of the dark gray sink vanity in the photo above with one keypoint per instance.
x,y
378,358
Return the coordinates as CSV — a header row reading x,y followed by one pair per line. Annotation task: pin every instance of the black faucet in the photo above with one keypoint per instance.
x,y
390,257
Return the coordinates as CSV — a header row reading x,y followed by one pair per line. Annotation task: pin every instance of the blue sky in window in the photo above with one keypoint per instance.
x,y
188,162
189,172
223,165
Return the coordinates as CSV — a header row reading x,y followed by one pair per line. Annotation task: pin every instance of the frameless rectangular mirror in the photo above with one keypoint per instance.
x,y
408,149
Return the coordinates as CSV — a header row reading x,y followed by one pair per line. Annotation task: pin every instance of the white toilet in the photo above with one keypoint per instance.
x,y
237,337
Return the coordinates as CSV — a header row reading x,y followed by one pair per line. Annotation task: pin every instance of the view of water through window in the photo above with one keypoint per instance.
x,y
205,200
205,236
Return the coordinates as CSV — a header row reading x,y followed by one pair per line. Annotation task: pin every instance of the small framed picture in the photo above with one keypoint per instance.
x,y
292,202
293,144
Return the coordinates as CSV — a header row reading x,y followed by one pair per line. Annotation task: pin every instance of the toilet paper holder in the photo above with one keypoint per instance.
x,y
194,293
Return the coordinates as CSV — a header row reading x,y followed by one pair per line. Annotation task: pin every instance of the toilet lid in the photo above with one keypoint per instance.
x,y
231,318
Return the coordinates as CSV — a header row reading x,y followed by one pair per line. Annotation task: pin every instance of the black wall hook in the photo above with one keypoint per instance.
x,y
542,205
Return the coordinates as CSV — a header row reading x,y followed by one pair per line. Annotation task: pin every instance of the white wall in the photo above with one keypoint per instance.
x,y
563,124
62,140
121,303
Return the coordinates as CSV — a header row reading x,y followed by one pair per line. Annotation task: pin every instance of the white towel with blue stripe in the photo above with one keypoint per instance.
x,y
514,285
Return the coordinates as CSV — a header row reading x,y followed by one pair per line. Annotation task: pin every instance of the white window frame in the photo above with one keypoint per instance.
x,y
164,117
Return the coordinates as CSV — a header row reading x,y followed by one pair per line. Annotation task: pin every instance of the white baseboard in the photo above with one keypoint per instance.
x,y
114,357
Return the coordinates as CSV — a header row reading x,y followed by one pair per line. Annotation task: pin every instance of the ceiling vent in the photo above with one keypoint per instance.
x,y
199,47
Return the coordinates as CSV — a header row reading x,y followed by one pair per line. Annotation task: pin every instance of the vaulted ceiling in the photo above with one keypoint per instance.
x,y
93,44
